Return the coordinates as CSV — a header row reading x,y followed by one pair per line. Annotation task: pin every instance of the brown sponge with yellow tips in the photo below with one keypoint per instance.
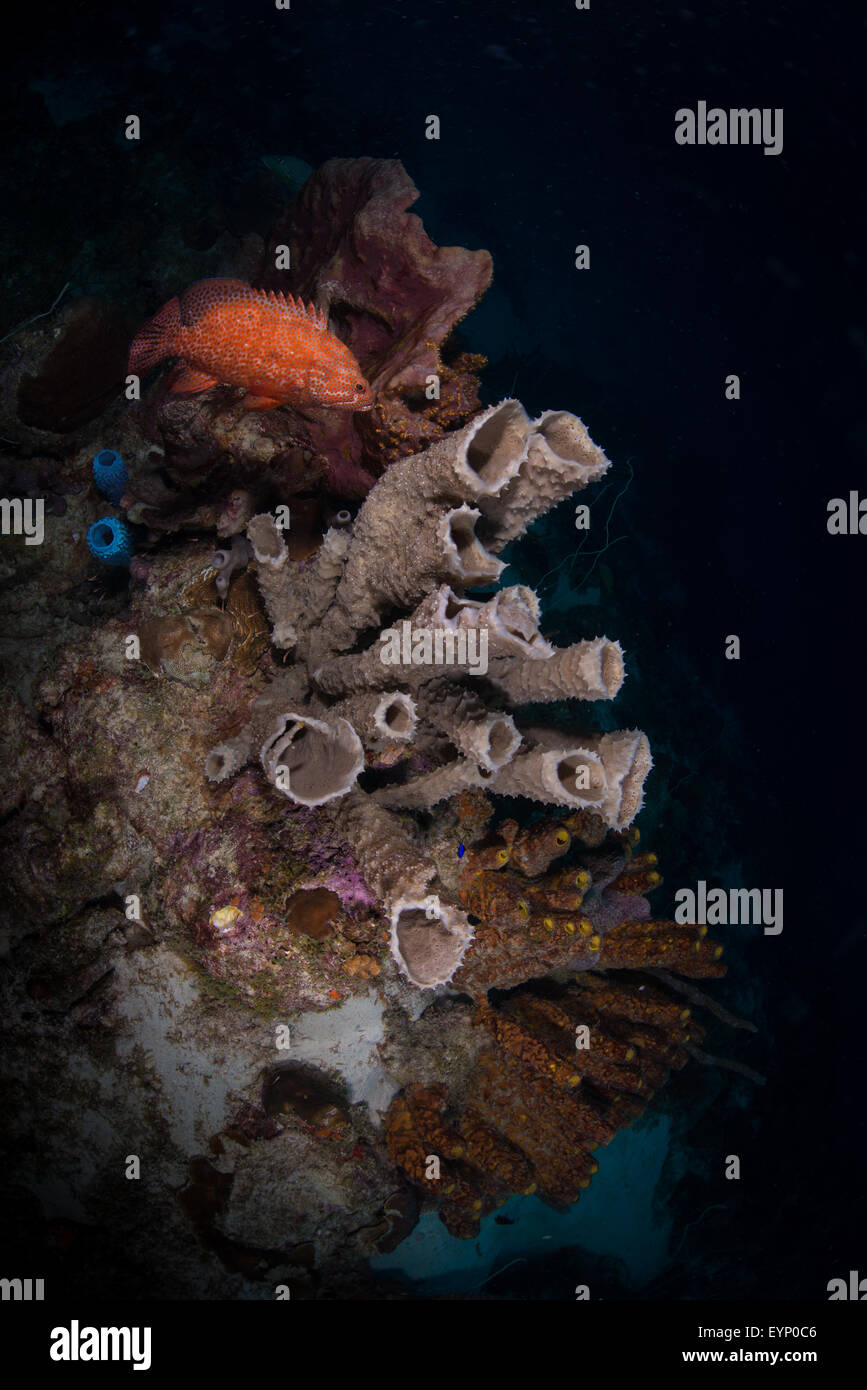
x,y
643,945
535,1105
535,849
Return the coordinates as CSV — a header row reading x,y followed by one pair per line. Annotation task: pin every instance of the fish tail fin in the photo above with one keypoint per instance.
x,y
156,340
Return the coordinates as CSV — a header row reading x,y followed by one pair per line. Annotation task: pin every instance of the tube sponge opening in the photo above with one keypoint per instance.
x,y
228,758
389,717
494,450
110,541
586,671
395,715
627,758
464,553
313,761
556,776
428,940
110,474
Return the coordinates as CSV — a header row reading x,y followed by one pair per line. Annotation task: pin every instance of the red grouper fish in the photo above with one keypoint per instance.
x,y
280,351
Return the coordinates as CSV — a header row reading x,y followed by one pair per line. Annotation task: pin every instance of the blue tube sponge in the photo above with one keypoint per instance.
x,y
110,541
110,474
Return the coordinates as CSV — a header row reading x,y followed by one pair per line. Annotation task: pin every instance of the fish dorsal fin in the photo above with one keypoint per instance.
x,y
203,295
288,304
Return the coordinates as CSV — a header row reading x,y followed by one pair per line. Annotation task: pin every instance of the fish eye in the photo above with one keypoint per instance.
x,y
359,386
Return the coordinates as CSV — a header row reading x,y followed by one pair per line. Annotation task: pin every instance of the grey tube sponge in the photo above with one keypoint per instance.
x,y
464,559
321,576
429,939
288,690
265,724
479,460
440,677
272,574
392,866
491,742
296,597
511,620
568,775
432,787
459,650
416,529
228,560
380,717
227,758
313,760
626,760
585,671
561,458
486,737
397,556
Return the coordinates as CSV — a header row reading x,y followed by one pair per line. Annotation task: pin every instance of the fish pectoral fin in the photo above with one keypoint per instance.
x,y
189,379
253,402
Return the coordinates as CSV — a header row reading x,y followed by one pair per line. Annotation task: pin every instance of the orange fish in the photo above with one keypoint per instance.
x,y
280,351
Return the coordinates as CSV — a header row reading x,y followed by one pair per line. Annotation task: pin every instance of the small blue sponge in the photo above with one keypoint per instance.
x,y
110,474
110,541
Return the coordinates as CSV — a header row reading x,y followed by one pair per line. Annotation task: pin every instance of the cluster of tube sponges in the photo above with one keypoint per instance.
x,y
561,1074
568,894
395,582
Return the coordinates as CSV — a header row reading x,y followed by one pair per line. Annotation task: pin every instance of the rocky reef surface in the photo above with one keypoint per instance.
x,y
323,899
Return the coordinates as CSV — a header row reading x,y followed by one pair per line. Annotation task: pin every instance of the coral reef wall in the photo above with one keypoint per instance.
x,y
429,530
320,858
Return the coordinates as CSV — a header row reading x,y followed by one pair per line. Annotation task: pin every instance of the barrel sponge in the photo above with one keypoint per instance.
x,y
584,671
429,939
560,459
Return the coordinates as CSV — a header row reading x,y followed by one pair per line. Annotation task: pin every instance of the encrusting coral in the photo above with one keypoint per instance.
x,y
362,677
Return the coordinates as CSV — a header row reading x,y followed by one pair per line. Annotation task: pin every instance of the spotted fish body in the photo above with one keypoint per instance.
x,y
274,346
